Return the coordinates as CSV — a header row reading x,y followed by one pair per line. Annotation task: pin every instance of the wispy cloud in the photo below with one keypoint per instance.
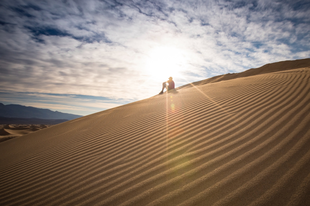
x,y
101,48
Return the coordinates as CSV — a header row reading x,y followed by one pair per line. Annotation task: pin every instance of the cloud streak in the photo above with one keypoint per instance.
x,y
101,48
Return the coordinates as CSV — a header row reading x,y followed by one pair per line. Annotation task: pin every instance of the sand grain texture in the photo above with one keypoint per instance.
x,y
243,141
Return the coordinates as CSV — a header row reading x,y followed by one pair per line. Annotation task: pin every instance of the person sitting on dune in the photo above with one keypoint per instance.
x,y
169,87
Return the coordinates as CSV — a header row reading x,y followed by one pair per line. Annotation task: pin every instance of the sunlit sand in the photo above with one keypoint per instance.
x,y
224,141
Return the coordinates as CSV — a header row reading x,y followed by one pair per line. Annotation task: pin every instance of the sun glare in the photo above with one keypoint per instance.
x,y
164,62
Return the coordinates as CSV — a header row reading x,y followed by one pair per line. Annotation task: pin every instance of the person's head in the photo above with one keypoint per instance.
x,y
170,78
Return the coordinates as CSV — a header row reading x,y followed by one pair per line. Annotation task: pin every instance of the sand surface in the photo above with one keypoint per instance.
x,y
243,141
10,131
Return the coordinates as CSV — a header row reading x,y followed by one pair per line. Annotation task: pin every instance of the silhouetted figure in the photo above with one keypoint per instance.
x,y
168,87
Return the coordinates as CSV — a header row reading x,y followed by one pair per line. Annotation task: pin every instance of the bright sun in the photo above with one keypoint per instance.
x,y
164,62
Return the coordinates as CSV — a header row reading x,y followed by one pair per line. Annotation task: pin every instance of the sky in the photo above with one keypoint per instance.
x,y
86,56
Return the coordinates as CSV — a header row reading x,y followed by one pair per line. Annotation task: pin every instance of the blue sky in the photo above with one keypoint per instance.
x,y
83,57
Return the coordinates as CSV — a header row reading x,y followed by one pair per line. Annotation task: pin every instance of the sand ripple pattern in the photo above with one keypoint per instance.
x,y
243,141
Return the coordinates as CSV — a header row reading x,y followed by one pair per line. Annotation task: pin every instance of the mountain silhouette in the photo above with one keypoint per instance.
x,y
20,111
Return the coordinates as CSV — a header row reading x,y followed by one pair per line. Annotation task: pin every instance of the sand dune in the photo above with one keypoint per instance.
x,y
3,131
243,141
8,131
268,68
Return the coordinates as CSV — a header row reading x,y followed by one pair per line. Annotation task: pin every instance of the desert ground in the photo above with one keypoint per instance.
x,y
9,131
239,141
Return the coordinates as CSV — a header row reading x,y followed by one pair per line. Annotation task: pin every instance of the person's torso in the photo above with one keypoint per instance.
x,y
171,84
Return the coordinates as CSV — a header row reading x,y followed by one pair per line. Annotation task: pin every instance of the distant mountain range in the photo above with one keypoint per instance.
x,y
25,112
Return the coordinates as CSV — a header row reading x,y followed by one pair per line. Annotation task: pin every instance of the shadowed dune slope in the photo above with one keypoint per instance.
x,y
243,141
